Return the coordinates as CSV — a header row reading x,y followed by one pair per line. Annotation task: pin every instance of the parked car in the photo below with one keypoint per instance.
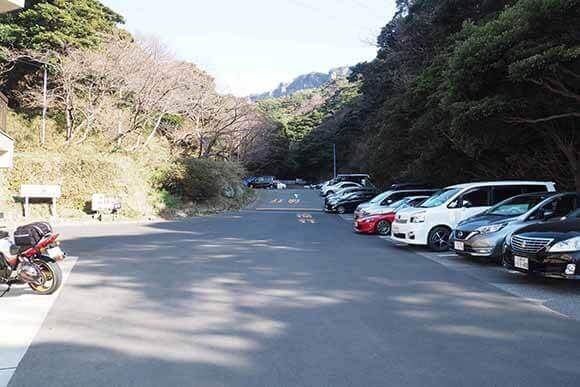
x,y
380,222
332,189
360,178
484,235
263,182
549,249
387,198
348,203
248,180
431,223
350,190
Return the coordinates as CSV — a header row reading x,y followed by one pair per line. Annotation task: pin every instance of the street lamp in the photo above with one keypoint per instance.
x,y
334,158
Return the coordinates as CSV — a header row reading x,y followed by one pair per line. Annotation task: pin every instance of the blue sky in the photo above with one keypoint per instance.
x,y
250,46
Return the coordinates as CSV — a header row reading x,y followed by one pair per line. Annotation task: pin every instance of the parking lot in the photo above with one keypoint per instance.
x,y
560,296
284,294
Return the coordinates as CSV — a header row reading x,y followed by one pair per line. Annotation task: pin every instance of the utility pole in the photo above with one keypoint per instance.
x,y
44,106
334,158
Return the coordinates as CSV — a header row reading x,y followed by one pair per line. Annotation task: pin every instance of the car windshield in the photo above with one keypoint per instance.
x,y
440,198
399,203
380,198
350,196
411,203
515,206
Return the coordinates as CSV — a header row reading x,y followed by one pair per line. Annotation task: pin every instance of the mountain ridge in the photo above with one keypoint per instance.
x,y
303,82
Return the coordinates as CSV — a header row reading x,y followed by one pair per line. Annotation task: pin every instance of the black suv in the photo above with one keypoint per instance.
x,y
262,182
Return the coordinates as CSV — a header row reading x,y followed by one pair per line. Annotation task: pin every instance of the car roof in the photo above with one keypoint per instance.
x,y
492,183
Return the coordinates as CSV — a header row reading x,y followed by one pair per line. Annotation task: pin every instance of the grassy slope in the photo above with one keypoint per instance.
x,y
89,168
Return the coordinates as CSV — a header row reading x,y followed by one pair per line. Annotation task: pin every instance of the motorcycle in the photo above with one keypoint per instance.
x,y
35,264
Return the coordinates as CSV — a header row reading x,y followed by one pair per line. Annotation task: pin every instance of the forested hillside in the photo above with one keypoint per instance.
x,y
459,90
124,117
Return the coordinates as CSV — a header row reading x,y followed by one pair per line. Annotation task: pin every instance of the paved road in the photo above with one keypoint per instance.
x,y
283,295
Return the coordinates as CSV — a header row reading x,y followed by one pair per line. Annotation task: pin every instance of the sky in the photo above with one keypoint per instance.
x,y
250,46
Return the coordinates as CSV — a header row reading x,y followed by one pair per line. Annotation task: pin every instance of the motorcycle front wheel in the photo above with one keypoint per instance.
x,y
52,278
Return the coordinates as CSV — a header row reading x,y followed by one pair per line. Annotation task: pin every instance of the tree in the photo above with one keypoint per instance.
x,y
517,77
57,25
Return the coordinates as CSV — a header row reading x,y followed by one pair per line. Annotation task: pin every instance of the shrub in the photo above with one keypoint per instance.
x,y
200,180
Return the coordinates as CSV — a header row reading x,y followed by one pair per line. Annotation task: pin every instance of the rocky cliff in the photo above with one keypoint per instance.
x,y
303,82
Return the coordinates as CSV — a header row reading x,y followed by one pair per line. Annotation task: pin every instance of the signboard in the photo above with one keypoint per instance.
x,y
101,202
40,191
31,191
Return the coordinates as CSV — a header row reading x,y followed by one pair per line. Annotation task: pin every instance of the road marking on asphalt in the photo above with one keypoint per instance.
x,y
306,218
288,209
276,201
348,218
23,314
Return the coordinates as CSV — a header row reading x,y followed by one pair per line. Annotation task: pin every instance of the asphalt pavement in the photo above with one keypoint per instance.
x,y
281,294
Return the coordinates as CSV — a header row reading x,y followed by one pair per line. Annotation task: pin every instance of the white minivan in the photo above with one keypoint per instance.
x,y
431,223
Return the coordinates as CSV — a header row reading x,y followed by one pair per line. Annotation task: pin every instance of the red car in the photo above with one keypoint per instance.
x,y
381,223
375,224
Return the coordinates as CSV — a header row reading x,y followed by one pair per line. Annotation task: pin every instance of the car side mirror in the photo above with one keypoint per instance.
x,y
467,204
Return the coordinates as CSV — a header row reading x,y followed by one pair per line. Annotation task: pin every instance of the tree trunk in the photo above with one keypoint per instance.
x,y
157,125
576,172
568,149
69,125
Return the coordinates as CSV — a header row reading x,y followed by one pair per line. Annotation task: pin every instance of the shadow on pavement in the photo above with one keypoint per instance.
x,y
256,300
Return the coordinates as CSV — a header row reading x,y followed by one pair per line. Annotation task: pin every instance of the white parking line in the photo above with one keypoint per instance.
x,y
23,313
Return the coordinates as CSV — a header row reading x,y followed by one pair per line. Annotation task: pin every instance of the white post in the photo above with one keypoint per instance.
x,y
44,107
26,207
54,208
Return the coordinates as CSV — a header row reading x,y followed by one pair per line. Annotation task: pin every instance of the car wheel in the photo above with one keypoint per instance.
x,y
439,238
384,227
341,209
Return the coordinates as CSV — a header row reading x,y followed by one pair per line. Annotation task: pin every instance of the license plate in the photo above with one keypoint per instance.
x,y
55,252
522,263
459,246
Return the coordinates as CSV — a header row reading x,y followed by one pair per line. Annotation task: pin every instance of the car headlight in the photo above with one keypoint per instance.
x,y
419,218
567,246
490,229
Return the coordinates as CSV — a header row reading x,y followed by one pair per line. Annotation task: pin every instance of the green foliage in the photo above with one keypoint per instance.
x,y
308,124
459,90
57,24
